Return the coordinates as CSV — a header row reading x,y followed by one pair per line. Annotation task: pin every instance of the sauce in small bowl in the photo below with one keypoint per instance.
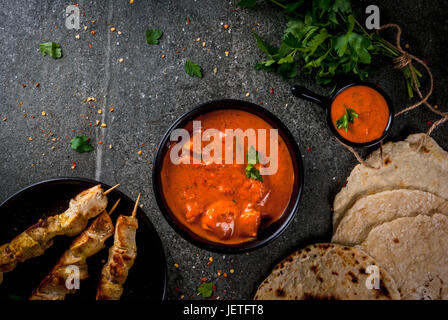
x,y
359,114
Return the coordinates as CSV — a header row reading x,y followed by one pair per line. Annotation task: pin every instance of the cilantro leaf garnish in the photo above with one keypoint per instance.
x,y
153,36
252,159
193,69
348,117
206,289
81,144
53,49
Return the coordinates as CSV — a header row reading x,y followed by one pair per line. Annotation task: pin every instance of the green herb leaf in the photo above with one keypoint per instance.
x,y
193,69
265,47
252,159
247,3
81,144
53,49
340,45
206,289
153,36
325,38
348,117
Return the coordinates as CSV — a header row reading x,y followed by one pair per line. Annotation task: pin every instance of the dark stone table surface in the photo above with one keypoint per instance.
x,y
149,92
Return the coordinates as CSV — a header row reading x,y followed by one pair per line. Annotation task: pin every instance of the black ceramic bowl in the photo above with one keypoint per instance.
x,y
325,102
265,235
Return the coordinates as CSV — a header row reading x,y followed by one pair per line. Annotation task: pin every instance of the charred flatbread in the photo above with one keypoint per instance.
x,y
326,271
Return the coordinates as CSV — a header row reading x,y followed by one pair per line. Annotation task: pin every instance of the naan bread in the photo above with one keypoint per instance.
x,y
415,253
373,210
325,271
404,168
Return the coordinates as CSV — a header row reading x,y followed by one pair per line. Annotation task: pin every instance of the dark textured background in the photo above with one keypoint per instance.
x,y
148,93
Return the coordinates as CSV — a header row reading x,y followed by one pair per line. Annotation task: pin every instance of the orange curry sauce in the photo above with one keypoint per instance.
x,y
217,201
372,110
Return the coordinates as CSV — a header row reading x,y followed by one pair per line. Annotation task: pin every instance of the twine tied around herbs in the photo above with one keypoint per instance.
x,y
399,63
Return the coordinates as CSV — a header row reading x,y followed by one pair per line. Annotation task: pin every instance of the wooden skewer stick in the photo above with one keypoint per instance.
x,y
114,207
134,213
110,190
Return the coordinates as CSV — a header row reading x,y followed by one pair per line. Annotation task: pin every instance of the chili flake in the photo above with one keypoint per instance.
x,y
73,165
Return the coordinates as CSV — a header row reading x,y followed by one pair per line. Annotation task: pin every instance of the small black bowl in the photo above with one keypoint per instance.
x,y
325,102
265,235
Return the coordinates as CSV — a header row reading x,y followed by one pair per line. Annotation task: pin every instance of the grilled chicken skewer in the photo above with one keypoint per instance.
x,y
91,241
121,257
35,240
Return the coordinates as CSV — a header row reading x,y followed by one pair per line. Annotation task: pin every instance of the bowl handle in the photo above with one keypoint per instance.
x,y
306,94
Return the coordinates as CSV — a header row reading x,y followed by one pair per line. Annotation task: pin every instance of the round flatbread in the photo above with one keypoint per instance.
x,y
404,168
327,271
376,209
414,250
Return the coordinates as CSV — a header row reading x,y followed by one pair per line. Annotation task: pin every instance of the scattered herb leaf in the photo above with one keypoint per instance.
x,y
153,36
81,144
193,69
206,289
348,117
252,159
53,49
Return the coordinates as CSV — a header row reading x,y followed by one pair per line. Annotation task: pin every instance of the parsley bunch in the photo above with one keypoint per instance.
x,y
327,40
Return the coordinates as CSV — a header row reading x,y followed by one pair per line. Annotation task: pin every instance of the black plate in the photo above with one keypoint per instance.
x,y
147,278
